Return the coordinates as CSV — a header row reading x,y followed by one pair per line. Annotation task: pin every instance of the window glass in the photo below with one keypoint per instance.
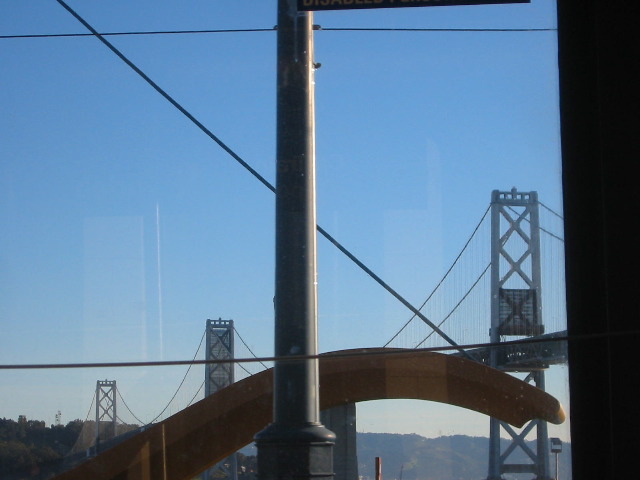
x,y
124,226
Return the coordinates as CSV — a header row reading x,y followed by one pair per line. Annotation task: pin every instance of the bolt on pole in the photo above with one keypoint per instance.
x,y
295,445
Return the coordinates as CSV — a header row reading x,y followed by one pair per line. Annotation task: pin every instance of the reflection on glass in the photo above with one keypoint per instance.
x,y
124,228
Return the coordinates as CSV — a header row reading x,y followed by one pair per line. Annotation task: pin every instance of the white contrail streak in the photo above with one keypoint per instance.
x,y
160,319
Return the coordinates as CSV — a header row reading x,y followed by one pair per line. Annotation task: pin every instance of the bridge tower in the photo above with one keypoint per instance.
x,y
219,346
516,311
342,421
105,411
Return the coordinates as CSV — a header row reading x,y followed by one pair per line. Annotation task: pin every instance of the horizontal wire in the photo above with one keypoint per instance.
x,y
159,32
365,352
273,29
454,30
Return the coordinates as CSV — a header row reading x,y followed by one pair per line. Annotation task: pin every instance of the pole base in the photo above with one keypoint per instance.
x,y
290,453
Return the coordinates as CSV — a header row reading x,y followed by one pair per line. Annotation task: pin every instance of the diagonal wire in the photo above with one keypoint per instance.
x,y
168,97
256,174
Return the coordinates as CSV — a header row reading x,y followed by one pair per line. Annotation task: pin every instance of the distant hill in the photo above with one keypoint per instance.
x,y
457,457
30,449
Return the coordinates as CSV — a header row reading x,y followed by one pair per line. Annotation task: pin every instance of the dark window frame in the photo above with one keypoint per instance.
x,y
598,62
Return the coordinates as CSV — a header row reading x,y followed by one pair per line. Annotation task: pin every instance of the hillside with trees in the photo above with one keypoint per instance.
x,y
28,448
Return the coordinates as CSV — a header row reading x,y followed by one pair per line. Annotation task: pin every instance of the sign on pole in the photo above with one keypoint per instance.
x,y
308,5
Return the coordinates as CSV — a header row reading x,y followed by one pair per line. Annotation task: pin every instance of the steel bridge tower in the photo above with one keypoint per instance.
x,y
516,311
219,346
105,411
342,421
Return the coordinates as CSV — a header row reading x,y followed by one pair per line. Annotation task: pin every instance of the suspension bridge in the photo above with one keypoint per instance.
x,y
487,311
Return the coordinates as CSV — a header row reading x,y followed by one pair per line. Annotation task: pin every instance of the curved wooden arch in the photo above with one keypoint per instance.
x,y
201,435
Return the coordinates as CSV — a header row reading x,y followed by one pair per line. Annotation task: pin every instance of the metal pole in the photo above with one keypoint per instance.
x,y
97,426
295,445
542,435
494,333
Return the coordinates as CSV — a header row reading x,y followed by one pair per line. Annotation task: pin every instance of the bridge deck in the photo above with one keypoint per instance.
x,y
532,353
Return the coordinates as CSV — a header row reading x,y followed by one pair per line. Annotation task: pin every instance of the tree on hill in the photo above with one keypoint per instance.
x,y
26,446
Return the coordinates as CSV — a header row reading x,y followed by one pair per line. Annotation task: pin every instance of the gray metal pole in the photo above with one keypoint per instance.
x,y
494,335
295,445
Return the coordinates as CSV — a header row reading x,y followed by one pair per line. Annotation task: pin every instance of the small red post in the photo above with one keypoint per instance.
x,y
378,468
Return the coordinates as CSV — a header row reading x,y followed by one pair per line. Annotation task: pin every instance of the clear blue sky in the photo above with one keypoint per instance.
x,y
123,227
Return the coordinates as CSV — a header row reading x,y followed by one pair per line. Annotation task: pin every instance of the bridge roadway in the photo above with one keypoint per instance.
x,y
199,436
530,353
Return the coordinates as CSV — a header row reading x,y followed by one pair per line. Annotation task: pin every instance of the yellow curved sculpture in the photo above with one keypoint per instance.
x,y
205,433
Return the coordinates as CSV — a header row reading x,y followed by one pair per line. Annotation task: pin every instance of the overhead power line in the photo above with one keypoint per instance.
x,y
453,30
135,33
273,29
297,358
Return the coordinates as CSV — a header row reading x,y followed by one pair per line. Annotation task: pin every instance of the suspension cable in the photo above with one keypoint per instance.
x,y
243,368
250,351
457,305
84,424
127,407
552,234
182,382
196,394
541,228
552,211
475,230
